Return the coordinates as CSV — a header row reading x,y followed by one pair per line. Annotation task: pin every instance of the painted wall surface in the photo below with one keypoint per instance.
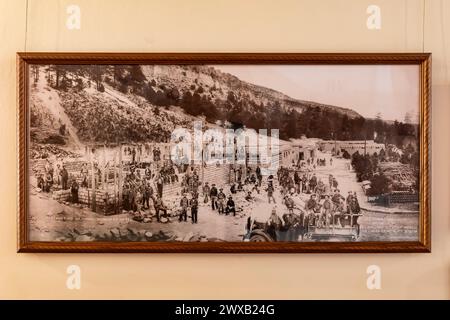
x,y
226,26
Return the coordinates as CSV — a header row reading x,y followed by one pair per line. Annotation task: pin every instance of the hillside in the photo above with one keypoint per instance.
x,y
218,85
88,115
109,104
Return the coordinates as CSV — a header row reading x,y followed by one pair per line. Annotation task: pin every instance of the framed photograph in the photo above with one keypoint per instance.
x,y
224,152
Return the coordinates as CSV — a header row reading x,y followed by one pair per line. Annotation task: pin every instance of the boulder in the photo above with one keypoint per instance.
x,y
132,236
148,235
115,232
195,238
131,231
170,234
164,220
84,237
188,236
99,237
214,239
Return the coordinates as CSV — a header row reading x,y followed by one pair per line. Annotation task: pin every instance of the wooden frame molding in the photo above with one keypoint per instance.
x,y
422,59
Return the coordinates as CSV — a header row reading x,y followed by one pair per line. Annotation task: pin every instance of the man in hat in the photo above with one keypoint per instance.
x,y
64,177
341,213
184,204
321,189
194,207
213,195
132,196
147,192
336,199
289,202
275,224
310,207
330,181
304,184
74,191
311,203
256,187
297,181
313,183
160,185
335,183
221,197
133,155
159,206
126,196
233,188
148,172
270,190
41,182
355,209
291,230
48,182
259,175
355,199
84,175
231,207
348,200
326,210
239,174
56,176
206,189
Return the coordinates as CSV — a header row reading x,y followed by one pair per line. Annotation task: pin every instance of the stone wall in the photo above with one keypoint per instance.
x,y
85,196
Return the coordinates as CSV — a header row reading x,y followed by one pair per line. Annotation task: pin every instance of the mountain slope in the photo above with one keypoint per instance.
x,y
218,85
123,103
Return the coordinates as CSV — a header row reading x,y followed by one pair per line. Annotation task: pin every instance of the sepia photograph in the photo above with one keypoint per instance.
x,y
250,153
290,153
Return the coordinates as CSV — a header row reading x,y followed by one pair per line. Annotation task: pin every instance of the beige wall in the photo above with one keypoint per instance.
x,y
229,25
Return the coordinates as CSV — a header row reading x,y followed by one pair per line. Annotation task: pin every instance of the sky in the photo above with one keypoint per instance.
x,y
392,90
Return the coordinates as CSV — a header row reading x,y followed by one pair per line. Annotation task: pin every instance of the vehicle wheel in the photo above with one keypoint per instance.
x,y
258,238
